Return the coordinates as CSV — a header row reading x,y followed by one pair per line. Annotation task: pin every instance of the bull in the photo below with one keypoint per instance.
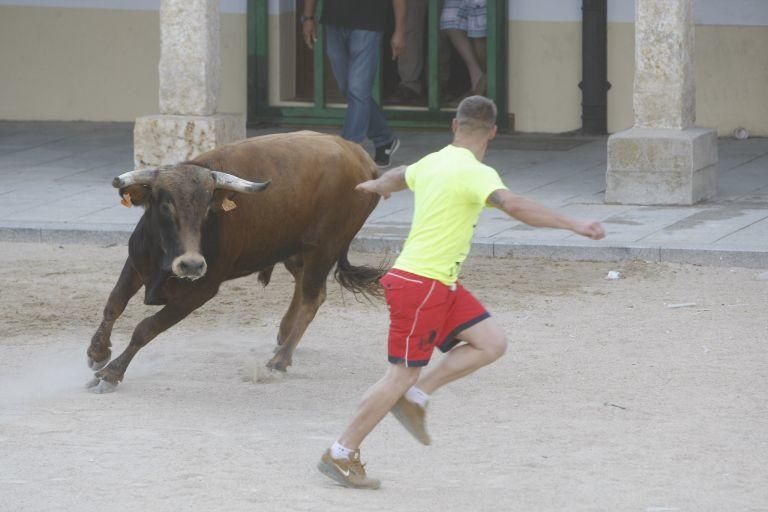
x,y
231,212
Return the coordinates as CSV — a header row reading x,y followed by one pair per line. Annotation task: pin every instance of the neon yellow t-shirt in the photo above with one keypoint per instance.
x,y
450,190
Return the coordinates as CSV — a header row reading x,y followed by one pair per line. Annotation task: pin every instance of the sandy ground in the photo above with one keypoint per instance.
x,y
608,399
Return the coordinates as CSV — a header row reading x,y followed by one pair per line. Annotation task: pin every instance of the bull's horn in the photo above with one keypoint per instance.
x,y
226,181
141,177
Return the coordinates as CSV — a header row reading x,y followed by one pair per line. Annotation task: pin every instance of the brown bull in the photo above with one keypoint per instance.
x,y
231,212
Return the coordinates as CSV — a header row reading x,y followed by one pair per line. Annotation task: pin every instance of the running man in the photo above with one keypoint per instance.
x,y
428,307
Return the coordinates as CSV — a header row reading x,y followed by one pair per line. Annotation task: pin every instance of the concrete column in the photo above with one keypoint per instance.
x,y
190,61
190,80
663,159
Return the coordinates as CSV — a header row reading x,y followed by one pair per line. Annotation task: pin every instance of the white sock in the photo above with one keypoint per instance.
x,y
340,452
417,396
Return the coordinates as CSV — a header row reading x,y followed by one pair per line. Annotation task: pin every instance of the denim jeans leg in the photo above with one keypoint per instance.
x,y
337,48
378,128
364,117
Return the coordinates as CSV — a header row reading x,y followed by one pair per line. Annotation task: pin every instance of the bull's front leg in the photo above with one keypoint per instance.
x,y
106,379
127,285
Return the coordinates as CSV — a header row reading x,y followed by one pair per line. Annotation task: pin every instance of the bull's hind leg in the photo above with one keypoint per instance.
x,y
308,297
106,379
127,285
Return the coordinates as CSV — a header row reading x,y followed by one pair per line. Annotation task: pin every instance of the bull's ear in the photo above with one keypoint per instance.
x,y
135,195
223,200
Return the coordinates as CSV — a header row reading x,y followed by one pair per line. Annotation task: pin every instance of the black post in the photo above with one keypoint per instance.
x,y
594,67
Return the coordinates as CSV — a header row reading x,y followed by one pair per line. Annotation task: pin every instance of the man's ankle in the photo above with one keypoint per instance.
x,y
338,451
417,396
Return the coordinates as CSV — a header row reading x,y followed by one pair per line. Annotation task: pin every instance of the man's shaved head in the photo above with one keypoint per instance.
x,y
476,115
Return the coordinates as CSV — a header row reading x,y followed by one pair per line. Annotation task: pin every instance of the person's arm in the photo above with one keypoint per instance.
x,y
308,27
537,215
398,37
392,181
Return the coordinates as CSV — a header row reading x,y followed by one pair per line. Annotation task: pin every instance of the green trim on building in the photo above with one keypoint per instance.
x,y
260,111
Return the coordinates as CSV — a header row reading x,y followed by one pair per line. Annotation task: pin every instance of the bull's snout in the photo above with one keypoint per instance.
x,y
189,266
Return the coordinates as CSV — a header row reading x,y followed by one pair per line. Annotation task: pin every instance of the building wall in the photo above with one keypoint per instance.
x,y
97,60
97,63
545,64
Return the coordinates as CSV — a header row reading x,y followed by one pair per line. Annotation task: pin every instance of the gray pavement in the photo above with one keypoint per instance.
x,y
55,187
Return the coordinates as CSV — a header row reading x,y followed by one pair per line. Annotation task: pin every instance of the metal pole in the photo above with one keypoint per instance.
x,y
594,67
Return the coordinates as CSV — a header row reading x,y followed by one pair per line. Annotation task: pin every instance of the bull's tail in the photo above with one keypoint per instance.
x,y
361,280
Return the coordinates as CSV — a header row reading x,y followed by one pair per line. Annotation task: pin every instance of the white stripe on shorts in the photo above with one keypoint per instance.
x,y
405,278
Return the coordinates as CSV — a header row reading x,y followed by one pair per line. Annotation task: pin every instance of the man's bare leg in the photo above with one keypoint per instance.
x,y
481,50
341,462
485,344
377,402
466,50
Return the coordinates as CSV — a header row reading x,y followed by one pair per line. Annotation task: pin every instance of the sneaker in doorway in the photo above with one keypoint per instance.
x,y
412,417
348,472
384,153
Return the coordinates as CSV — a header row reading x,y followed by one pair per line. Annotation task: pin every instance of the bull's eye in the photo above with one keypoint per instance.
x,y
166,208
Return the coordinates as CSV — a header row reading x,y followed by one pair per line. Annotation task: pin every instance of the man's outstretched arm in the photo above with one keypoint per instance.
x,y
391,181
536,214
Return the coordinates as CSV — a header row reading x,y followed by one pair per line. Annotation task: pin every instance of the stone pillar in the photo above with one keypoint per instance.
x,y
190,79
663,159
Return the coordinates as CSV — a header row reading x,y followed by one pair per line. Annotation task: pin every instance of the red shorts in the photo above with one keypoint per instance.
x,y
424,314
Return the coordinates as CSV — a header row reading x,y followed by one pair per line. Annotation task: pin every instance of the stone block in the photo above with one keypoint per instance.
x,y
164,140
190,60
661,167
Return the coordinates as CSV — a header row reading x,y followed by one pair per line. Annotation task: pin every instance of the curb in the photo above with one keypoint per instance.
x,y
692,255
61,234
111,234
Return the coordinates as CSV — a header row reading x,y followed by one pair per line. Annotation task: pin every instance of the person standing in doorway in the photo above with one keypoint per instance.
x,y
410,63
353,39
465,22
428,307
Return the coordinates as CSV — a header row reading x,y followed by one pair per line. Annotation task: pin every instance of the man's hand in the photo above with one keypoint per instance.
x,y
372,187
310,34
589,229
398,44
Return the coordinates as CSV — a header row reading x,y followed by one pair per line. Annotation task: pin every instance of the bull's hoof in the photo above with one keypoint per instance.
x,y
100,386
97,365
277,363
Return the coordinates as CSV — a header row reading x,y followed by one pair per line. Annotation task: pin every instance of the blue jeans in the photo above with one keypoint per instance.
x,y
354,56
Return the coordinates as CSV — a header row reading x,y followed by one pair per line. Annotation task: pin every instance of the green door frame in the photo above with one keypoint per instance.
x,y
260,111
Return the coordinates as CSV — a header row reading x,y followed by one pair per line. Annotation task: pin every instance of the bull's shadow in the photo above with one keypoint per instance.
x,y
233,211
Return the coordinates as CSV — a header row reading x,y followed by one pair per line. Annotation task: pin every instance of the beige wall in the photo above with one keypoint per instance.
x,y
97,64
731,77
544,73
545,68
101,65
621,75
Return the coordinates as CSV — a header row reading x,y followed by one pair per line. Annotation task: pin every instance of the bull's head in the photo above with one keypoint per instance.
x,y
179,199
